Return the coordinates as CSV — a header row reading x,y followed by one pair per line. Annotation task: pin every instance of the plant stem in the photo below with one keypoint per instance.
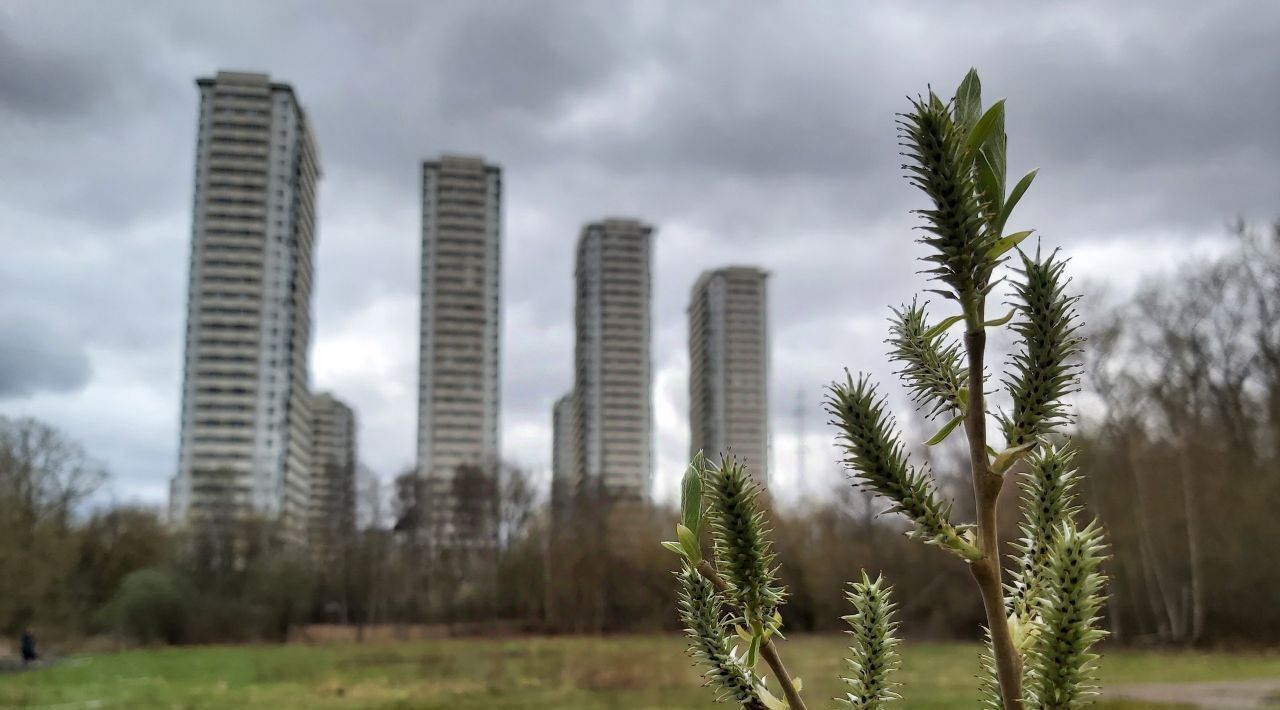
x,y
986,489
767,650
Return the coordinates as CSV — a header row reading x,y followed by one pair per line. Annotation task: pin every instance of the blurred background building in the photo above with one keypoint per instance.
x,y
333,472
563,469
613,408
245,435
458,385
729,367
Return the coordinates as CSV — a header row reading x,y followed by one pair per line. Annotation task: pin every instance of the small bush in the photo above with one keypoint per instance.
x,y
148,607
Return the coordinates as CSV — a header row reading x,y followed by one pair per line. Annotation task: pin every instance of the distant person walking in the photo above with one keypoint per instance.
x,y
29,654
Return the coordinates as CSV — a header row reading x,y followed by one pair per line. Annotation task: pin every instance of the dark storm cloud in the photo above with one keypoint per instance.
x,y
747,134
37,83
36,357
545,57
88,114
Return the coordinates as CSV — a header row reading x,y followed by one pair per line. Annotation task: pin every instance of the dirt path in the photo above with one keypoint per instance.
x,y
10,665
1226,695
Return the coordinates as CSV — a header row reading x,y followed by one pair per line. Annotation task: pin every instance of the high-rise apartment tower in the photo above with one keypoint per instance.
x,y
458,381
564,485
729,367
613,409
333,471
245,433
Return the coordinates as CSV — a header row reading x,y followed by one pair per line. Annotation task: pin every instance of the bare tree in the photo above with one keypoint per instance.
x,y
45,479
1187,373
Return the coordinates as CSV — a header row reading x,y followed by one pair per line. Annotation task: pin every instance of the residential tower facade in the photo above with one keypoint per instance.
x,y
333,471
564,483
729,367
245,441
458,384
612,401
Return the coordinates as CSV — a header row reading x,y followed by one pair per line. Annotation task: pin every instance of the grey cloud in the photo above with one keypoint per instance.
x,y
39,358
746,134
38,83
544,57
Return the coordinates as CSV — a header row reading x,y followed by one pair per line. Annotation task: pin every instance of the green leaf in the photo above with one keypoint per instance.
x,y
989,172
1006,243
997,322
987,182
771,701
982,130
1013,198
1006,458
968,104
689,541
674,547
945,324
774,625
945,431
753,652
691,494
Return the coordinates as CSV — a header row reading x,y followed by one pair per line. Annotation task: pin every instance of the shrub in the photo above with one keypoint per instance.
x,y
149,607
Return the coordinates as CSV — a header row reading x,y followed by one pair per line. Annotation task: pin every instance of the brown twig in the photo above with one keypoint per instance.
x,y
986,489
767,650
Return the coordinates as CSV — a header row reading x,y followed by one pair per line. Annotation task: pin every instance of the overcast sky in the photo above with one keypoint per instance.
x,y
747,133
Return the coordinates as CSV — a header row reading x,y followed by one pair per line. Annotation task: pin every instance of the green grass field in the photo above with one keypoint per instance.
x,y
621,673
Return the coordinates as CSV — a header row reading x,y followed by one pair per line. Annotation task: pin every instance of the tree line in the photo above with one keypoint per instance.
x,y
1180,435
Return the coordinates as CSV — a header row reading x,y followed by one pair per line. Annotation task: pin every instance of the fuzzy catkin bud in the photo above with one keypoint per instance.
x,y
874,651
876,458
1061,674
931,364
702,612
1042,369
1047,504
939,165
742,549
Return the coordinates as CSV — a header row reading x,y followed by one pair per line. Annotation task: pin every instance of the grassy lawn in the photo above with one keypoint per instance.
x,y
645,672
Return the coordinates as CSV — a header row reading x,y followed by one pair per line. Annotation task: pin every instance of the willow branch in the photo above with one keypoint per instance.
x,y
986,489
767,650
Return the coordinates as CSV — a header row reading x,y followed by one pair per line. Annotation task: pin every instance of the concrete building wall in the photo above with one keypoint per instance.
x,y
333,471
729,367
613,408
458,397
245,420
563,481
